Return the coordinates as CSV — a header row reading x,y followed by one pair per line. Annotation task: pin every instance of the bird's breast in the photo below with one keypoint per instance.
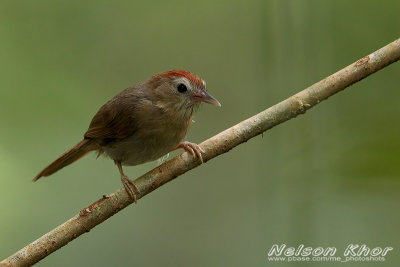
x,y
153,138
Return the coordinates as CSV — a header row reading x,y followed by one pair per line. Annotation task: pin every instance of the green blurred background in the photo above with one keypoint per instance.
x,y
327,178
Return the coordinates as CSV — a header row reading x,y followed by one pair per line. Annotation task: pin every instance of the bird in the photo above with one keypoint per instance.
x,y
142,123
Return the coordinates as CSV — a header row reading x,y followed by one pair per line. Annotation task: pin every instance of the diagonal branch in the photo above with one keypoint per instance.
x,y
221,143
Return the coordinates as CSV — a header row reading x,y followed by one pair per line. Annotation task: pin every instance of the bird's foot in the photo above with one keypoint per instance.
x,y
193,149
130,187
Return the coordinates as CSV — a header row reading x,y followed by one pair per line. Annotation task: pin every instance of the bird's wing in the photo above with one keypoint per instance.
x,y
113,121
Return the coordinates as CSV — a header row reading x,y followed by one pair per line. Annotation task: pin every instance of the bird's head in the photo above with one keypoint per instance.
x,y
179,91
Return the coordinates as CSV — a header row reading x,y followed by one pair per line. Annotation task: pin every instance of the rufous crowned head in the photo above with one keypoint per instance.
x,y
180,89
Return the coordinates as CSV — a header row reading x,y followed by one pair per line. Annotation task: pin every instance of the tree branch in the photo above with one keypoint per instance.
x,y
221,143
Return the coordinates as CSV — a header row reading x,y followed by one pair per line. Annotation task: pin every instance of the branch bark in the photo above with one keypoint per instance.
x,y
221,143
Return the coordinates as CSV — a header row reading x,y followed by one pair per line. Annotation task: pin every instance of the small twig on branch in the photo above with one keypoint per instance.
x,y
104,208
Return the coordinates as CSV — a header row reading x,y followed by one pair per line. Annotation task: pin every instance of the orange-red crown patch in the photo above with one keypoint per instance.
x,y
188,75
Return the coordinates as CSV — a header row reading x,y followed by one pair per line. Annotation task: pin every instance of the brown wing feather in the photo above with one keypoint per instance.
x,y
114,120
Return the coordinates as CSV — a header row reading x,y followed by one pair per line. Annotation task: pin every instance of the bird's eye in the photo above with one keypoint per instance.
x,y
181,88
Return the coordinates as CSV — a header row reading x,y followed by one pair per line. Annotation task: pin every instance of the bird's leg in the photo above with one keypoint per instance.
x,y
128,184
192,148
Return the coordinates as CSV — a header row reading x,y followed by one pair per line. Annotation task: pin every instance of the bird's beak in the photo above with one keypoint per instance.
x,y
203,96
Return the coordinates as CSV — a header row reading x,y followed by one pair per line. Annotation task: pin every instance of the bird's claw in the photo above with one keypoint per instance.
x,y
193,149
130,187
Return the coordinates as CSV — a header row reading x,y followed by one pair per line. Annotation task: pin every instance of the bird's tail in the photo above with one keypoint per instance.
x,y
72,155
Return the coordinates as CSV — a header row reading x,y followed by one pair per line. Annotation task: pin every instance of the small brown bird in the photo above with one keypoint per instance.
x,y
142,123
